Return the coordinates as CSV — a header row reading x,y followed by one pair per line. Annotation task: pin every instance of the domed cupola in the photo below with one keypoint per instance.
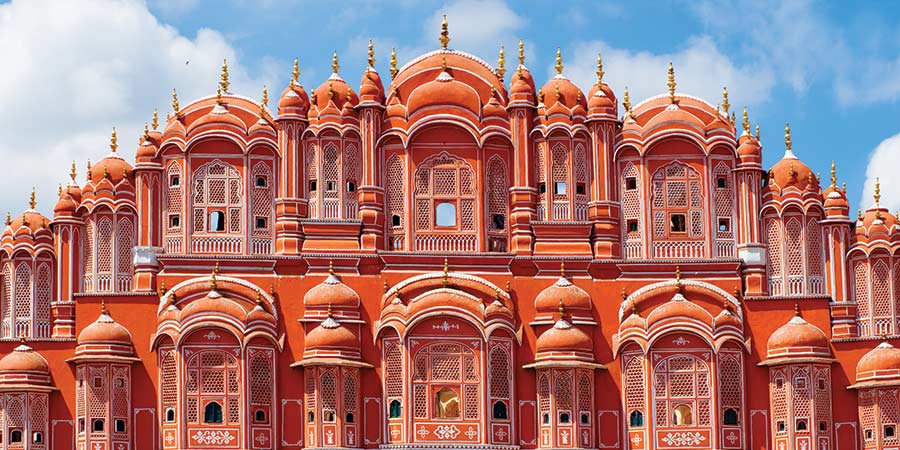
x,y
561,99
27,230
332,338
790,176
24,369
563,292
331,294
522,90
749,150
563,345
836,202
877,223
112,169
879,367
334,100
174,123
797,341
105,339
601,99
294,101
371,89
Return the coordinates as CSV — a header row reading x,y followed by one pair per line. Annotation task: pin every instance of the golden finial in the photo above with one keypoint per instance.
x,y
791,171
445,34
600,71
155,122
334,63
371,54
858,213
796,310
59,191
559,64
678,278
844,188
394,63
32,203
175,106
264,102
787,136
329,310
446,280
757,132
521,53
213,284
671,83
103,305
113,141
540,96
88,175
8,219
737,294
562,269
219,96
72,172
562,310
558,94
146,136
508,288
259,299
833,175
223,82
876,196
725,104
626,102
386,287
501,63
733,118
331,266
105,172
624,294
330,91
810,178
295,74
444,62
162,287
746,122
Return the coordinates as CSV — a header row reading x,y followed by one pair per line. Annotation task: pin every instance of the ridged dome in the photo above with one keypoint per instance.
x,y
679,308
563,292
335,90
24,360
30,220
559,90
798,339
104,330
791,172
331,292
113,168
881,364
564,337
371,88
330,335
293,101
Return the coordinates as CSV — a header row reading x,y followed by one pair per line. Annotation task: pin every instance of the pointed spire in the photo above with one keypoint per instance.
x,y
371,55
559,64
788,153
8,219
394,63
155,122
295,73
146,136
334,63
175,106
219,96
746,122
113,141
725,104
521,53
223,81
330,91
213,284
797,310
600,71
876,195
833,175
32,202
562,269
331,266
757,132
88,174
446,278
671,83
562,310
103,305
445,34
678,278
501,63
72,172
626,102
264,102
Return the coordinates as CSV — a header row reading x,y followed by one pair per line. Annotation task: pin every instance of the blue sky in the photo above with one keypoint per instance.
x,y
830,69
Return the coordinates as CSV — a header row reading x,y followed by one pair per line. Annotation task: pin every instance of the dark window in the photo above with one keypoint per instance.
x,y
730,417
585,418
636,419
579,189
212,413
721,183
821,384
216,221
175,181
261,182
170,414
632,226
499,410
98,382
564,418
724,224
546,418
822,426
119,382
542,188
800,383
631,183
677,223
81,425
98,425
801,425
780,426
779,383
330,186
499,221
348,418
559,188
395,409
311,417
261,222
174,221
15,436
312,186
395,220
37,437
259,416
869,434
328,416
889,431
120,426
351,186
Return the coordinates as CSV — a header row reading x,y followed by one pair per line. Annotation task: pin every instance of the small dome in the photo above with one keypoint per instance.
x,y
881,364
24,360
836,203
572,297
522,87
791,172
798,339
371,88
113,168
30,219
67,203
336,90
564,337
294,101
261,127
602,100
493,108
728,319
559,90
330,335
331,292
104,330
749,150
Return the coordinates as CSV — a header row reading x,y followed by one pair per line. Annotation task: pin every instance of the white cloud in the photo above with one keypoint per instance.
x,y
701,69
73,70
883,162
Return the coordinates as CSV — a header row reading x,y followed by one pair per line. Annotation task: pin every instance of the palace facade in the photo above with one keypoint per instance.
x,y
450,262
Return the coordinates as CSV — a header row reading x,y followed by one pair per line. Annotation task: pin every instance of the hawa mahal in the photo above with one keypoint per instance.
x,y
450,262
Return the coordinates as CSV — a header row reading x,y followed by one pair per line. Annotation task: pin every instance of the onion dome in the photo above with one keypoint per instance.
x,y
728,319
331,343
24,368
836,202
572,297
877,222
332,95
218,116
493,109
879,367
149,143
601,99
563,344
749,150
104,339
66,205
790,172
560,92
294,101
332,293
371,89
113,167
522,88
797,341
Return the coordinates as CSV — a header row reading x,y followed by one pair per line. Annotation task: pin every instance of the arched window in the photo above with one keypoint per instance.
x,y
633,384
124,245
22,298
218,201
352,175
774,259
498,199
682,388
216,221
452,384
395,409
499,410
212,413
170,415
723,195
262,209
677,212
683,415
173,198
395,187
445,205
312,179
446,404
15,436
730,417
636,419
97,425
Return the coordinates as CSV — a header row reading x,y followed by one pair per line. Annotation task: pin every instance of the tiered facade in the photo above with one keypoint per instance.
x,y
450,262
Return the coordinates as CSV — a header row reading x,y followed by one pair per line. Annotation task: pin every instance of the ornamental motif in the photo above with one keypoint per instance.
x,y
212,437
446,431
684,439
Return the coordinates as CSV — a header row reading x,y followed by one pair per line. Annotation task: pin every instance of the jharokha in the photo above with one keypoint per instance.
x,y
450,262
